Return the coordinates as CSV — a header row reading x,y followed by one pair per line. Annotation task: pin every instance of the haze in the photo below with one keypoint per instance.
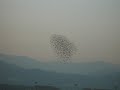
x,y
93,25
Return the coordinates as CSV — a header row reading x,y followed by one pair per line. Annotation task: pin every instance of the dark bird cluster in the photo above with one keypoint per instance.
x,y
63,48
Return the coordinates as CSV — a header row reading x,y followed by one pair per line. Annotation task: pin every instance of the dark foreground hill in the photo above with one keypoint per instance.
x,y
22,87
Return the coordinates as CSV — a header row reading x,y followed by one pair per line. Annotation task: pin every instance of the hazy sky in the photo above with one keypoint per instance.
x,y
93,25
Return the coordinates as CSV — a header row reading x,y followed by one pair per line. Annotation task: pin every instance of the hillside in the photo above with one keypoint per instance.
x,y
91,68
12,73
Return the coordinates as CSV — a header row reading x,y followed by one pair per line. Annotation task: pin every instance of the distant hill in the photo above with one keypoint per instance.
x,y
13,74
91,68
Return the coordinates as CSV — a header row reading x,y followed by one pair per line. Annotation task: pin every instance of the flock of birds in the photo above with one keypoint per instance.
x,y
63,48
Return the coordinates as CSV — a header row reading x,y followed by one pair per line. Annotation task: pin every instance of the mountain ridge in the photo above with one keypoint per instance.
x,y
12,74
84,68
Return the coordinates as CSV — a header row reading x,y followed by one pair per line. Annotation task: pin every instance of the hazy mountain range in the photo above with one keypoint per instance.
x,y
98,67
24,70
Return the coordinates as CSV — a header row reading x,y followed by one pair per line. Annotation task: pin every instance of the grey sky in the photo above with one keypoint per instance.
x,y
93,25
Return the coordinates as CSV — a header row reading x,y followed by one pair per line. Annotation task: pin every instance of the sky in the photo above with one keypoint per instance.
x,y
93,26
